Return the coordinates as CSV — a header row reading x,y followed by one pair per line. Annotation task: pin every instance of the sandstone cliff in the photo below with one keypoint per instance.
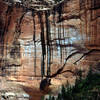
x,y
34,35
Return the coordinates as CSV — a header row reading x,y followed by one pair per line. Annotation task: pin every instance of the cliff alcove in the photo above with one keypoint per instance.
x,y
46,39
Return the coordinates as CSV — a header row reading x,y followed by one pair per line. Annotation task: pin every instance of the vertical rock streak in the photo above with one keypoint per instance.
x,y
34,39
40,16
48,42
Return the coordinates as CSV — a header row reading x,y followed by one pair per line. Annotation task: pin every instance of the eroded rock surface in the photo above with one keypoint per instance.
x,y
20,57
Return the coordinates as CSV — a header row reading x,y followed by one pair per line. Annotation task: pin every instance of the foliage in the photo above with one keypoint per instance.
x,y
84,89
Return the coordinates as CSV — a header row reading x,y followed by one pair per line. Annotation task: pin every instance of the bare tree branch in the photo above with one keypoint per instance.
x,y
85,54
61,69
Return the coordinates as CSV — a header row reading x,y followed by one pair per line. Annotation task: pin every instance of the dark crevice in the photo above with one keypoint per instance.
x,y
40,16
48,42
34,39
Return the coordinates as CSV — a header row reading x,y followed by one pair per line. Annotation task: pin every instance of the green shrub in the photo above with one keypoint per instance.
x,y
84,89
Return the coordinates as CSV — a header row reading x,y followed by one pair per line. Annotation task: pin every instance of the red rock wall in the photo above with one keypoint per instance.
x,y
78,20
73,15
